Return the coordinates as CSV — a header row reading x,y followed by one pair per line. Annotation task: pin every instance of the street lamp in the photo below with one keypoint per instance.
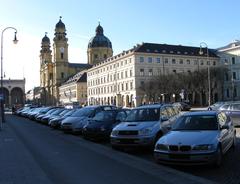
x,y
1,94
208,63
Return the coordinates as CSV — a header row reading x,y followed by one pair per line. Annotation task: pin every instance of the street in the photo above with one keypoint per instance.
x,y
33,153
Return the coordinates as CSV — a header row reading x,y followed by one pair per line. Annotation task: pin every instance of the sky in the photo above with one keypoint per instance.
x,y
125,22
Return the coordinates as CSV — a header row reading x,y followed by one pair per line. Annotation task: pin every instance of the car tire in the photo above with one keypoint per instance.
x,y
219,156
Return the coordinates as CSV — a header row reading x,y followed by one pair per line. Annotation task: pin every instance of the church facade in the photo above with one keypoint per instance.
x,y
55,69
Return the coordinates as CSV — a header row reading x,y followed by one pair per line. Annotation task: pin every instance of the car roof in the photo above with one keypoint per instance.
x,y
197,113
152,106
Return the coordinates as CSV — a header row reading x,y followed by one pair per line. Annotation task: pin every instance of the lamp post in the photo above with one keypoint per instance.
x,y
15,42
208,70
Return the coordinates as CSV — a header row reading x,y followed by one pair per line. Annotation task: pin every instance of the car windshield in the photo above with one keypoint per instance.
x,y
145,114
83,112
196,122
105,116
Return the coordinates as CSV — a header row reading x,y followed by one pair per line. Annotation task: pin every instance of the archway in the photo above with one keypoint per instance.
x,y
16,96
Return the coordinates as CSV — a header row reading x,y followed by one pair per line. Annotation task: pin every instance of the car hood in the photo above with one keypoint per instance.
x,y
135,125
189,137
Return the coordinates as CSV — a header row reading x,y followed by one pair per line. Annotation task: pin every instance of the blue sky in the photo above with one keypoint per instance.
x,y
125,23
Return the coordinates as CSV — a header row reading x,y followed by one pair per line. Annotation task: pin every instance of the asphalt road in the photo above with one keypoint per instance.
x,y
33,153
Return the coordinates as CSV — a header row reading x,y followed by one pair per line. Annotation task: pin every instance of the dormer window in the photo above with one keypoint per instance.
x,y
171,52
163,51
185,52
148,50
178,52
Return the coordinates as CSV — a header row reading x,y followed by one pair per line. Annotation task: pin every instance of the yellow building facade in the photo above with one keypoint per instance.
x,y
55,69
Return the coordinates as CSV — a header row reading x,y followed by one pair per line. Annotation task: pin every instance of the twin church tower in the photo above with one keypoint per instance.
x,y
57,69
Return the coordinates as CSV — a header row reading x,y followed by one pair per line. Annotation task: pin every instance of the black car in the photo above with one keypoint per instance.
x,y
56,122
101,125
182,106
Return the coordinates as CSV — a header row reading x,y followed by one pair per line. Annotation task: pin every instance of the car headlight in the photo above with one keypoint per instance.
x,y
145,131
203,147
161,147
114,133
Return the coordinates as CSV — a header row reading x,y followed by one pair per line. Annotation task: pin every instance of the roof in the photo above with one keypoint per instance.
x,y
173,49
231,45
197,113
79,77
79,65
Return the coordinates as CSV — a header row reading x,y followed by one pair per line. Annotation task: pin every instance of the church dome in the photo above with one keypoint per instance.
x,y
45,39
60,24
99,40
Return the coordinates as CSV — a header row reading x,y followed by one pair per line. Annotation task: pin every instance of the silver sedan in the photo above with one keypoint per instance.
x,y
197,138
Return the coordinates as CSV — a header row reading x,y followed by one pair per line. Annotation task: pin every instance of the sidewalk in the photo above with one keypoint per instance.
x,y
17,166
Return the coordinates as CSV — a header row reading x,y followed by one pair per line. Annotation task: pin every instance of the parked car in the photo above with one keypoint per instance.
x,y
101,125
216,106
54,112
56,122
88,113
197,138
233,110
183,106
144,125
45,113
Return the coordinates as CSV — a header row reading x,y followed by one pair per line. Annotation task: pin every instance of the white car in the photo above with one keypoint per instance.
x,y
197,138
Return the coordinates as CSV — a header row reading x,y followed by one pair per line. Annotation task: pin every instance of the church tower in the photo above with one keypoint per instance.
x,y
99,47
46,70
60,57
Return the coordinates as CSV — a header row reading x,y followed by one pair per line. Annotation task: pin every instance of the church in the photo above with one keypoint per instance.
x,y
55,68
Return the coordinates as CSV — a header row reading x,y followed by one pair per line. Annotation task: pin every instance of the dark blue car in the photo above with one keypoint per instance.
x,y
101,125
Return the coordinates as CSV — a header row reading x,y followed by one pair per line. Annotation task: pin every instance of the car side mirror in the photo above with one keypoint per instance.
x,y
224,127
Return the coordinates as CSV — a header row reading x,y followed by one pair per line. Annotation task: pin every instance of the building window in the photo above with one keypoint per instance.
x,y
166,60
150,60
141,72
131,85
61,55
95,56
51,76
62,75
233,60
126,86
125,62
181,61
174,71
227,93
121,75
105,56
173,61
234,75
214,63
158,60
201,62
142,84
195,62
126,74
122,87
150,72
188,62
141,59
130,73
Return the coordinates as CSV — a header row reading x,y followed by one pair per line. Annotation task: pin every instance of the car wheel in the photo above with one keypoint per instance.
x,y
219,155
